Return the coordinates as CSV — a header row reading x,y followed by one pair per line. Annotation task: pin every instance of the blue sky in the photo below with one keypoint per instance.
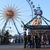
x,y
25,12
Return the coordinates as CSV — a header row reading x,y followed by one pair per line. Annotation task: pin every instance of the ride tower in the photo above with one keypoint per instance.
x,y
38,13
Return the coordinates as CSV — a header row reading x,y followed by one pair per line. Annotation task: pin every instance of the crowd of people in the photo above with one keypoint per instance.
x,y
35,40
5,38
29,40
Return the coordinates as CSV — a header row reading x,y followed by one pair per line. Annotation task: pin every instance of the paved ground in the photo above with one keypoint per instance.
x,y
19,47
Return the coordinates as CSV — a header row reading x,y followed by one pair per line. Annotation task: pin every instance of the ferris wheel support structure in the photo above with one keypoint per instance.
x,y
15,26
39,12
3,29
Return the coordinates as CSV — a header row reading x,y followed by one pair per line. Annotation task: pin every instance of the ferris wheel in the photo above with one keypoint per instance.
x,y
13,13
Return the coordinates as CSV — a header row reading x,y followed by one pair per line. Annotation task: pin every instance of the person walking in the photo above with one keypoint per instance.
x,y
33,43
25,40
29,40
36,40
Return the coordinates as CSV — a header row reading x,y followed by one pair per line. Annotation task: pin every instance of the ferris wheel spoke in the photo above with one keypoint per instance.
x,y
10,1
23,15
44,21
9,23
13,5
19,18
1,19
16,20
18,12
8,5
20,21
17,9
3,8
18,15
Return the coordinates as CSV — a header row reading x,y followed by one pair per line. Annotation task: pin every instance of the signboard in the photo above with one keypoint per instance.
x,y
34,27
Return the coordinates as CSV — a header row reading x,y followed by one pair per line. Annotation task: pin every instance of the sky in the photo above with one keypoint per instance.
x,y
25,10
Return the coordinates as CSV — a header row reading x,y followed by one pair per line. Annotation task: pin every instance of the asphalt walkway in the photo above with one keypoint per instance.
x,y
19,47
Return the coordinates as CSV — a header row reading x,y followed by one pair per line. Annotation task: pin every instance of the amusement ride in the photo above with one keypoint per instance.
x,y
10,13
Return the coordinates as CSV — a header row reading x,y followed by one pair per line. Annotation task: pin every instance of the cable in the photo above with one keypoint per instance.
x,y
44,21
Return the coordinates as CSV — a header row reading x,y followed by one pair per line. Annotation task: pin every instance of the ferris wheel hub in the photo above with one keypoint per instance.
x,y
9,12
